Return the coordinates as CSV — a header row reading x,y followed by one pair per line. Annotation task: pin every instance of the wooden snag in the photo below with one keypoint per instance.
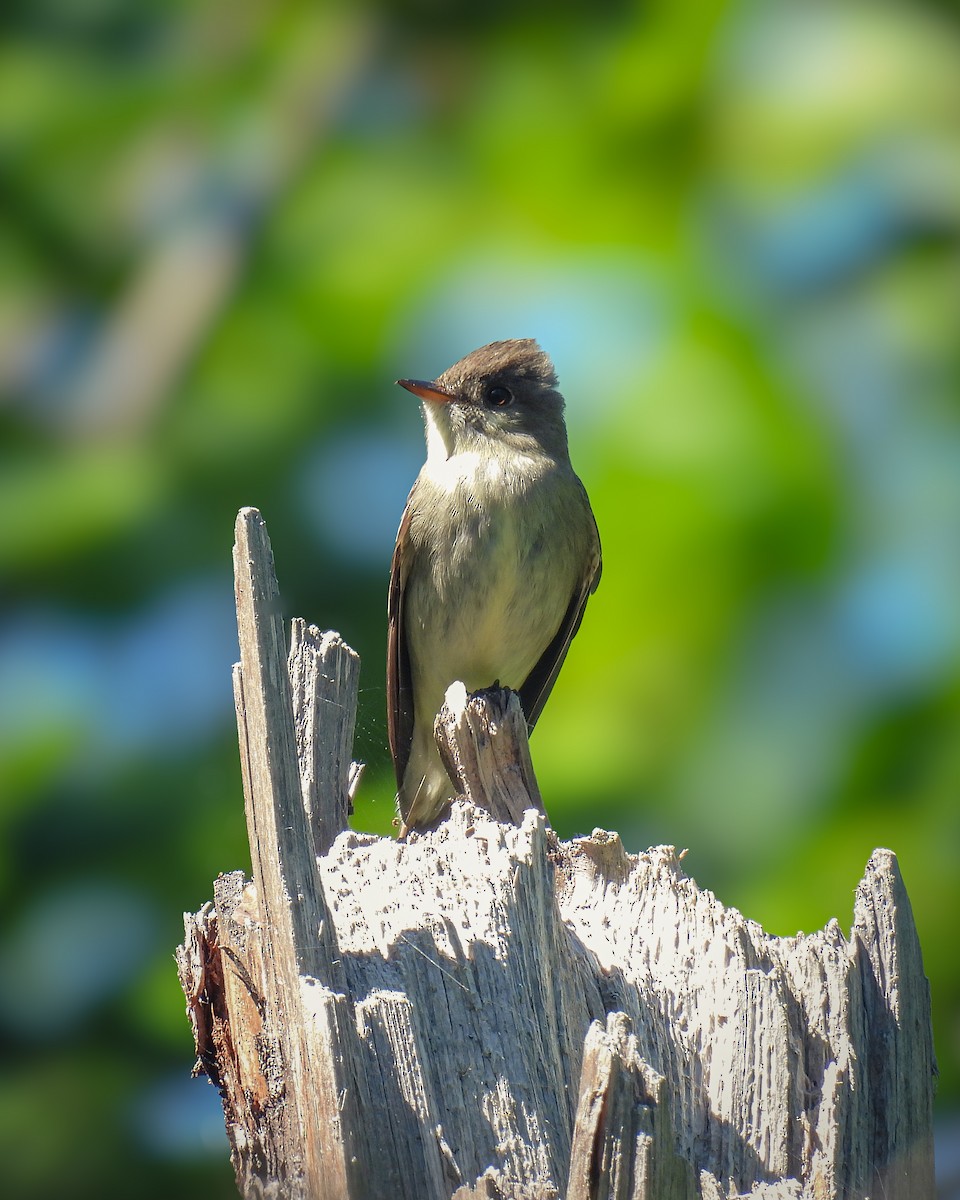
x,y
486,1011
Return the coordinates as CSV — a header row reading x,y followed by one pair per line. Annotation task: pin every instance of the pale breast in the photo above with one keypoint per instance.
x,y
498,558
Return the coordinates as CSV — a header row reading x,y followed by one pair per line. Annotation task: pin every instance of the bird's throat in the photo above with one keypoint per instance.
x,y
441,443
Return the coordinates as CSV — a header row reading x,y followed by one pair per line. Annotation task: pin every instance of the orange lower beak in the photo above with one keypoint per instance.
x,y
427,391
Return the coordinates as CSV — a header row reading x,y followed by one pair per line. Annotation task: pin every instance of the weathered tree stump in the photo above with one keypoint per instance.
x,y
484,1011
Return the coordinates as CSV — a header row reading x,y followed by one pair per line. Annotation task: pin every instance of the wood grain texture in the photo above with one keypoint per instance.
x,y
483,745
324,677
623,1146
297,944
484,1011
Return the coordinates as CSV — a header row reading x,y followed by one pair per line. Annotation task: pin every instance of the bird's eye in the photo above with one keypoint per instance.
x,y
499,396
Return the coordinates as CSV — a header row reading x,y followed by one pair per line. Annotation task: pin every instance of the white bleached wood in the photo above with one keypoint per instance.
x,y
483,745
623,1147
487,1012
293,937
324,677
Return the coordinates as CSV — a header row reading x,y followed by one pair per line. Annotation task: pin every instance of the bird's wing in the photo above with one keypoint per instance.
x,y
399,684
539,683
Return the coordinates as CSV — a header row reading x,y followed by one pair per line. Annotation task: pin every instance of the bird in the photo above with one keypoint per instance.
x,y
496,556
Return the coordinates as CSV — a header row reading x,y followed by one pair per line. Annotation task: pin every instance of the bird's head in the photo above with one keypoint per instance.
x,y
505,391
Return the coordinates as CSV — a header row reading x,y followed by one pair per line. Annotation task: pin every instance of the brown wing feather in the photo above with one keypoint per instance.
x,y
399,688
539,683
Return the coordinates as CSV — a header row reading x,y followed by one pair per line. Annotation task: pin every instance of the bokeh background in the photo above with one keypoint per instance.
x,y
228,226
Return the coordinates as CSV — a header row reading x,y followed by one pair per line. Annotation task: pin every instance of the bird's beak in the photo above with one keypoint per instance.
x,y
427,391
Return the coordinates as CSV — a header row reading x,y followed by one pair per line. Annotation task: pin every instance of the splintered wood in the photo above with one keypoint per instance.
x,y
484,1011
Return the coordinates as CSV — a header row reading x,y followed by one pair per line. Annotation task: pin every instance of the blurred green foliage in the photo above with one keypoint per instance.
x,y
229,227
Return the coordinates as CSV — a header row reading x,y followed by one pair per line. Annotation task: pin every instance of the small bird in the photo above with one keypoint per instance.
x,y
496,555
